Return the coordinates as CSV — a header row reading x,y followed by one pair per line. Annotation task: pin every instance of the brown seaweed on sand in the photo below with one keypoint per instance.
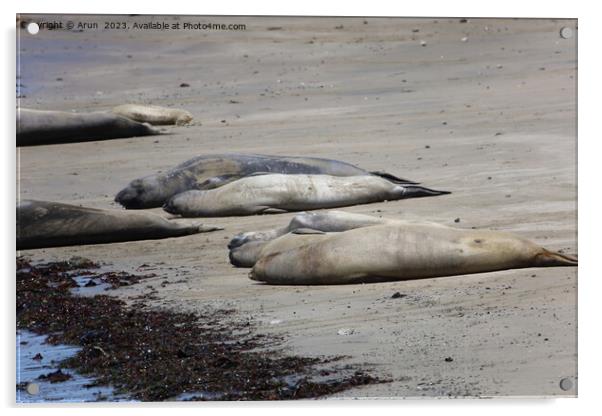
x,y
154,354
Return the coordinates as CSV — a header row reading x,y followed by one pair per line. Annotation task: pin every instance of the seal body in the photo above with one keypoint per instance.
x,y
273,193
37,127
245,248
327,221
212,171
153,114
401,252
50,224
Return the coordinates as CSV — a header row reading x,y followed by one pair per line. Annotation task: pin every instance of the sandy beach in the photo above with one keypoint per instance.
x,y
483,108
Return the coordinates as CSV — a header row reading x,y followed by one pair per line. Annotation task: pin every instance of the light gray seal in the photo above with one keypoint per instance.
x,y
401,252
245,248
152,114
43,224
37,127
277,193
248,254
211,171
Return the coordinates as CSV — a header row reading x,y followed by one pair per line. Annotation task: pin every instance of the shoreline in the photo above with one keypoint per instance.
x,y
150,354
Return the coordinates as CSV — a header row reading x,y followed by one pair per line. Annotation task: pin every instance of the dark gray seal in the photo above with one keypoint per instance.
x,y
43,224
37,127
211,171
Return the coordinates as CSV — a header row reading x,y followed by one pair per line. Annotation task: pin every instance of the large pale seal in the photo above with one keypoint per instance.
x,y
153,114
400,252
50,224
37,127
246,248
212,171
274,193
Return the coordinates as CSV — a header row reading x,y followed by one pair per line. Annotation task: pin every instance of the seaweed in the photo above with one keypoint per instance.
x,y
155,354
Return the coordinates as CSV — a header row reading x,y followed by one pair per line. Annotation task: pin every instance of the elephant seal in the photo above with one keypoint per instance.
x,y
212,171
153,114
276,193
43,224
248,254
401,252
37,127
245,248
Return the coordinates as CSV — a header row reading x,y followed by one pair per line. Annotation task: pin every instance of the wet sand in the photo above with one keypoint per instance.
x,y
486,109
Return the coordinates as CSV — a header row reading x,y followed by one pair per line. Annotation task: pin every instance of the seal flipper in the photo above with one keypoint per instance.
x,y
270,210
216,182
413,191
549,259
393,178
194,227
261,174
305,231
152,131
209,228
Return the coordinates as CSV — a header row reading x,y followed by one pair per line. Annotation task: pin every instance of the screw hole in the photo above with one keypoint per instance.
x,y
33,28
33,388
566,33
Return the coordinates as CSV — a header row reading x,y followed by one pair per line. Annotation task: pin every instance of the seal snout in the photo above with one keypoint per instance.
x,y
253,275
130,197
170,207
235,261
237,241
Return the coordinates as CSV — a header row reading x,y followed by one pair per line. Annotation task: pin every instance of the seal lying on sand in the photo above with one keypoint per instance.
x,y
37,127
277,193
153,114
50,224
245,248
400,252
212,171
248,254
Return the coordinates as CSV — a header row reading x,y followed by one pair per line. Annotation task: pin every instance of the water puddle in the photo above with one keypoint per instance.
x,y
206,395
40,377
89,285
37,359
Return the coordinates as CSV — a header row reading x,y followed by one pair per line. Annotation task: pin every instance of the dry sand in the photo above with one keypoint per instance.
x,y
491,117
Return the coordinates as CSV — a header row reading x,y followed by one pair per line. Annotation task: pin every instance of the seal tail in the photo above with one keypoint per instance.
x,y
393,178
149,130
413,191
550,259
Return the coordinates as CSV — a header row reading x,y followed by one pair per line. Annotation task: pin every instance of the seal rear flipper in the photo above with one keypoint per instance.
x,y
549,259
203,228
413,191
152,131
194,227
393,178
